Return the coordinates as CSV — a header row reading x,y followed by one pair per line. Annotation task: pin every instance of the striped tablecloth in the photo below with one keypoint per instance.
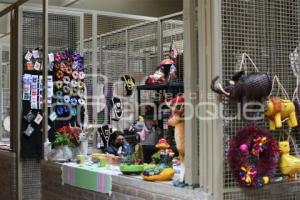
x,y
88,177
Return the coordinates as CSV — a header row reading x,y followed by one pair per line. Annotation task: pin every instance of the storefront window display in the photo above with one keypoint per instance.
x,y
118,150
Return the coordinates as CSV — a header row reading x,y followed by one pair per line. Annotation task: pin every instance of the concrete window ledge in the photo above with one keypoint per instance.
x,y
123,188
7,154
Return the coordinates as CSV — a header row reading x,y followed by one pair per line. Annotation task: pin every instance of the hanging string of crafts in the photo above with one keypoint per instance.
x,y
32,60
253,156
105,132
280,109
117,107
69,85
295,61
32,94
295,65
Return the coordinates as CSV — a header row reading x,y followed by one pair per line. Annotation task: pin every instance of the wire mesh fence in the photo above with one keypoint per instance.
x,y
268,31
63,35
4,89
172,31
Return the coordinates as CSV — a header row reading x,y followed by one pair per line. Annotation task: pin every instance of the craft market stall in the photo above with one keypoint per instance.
x,y
199,104
94,76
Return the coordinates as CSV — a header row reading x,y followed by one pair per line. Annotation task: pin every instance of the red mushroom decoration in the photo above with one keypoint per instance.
x,y
162,144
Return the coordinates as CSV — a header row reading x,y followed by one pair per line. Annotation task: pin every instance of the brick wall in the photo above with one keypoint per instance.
x,y
121,189
7,176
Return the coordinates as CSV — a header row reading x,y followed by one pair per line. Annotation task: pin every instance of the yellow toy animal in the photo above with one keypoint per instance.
x,y
165,175
289,165
278,110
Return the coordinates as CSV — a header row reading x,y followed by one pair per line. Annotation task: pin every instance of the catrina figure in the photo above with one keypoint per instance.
x,y
252,86
129,84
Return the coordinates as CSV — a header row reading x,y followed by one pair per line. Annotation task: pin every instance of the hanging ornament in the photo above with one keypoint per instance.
x,y
295,61
253,156
279,109
105,132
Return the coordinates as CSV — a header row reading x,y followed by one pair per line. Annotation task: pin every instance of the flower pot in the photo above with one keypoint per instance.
x,y
61,153
67,152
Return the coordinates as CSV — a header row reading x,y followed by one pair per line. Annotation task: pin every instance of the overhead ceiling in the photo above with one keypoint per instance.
x,y
153,8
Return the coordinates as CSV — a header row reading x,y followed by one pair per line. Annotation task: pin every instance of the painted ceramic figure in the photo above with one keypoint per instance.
x,y
280,109
176,120
289,165
254,86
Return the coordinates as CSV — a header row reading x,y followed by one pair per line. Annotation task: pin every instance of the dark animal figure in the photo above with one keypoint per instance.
x,y
253,86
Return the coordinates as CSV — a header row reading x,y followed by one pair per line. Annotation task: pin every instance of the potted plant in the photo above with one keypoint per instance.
x,y
66,139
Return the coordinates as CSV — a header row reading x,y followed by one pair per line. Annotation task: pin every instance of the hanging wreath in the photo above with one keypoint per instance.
x,y
253,156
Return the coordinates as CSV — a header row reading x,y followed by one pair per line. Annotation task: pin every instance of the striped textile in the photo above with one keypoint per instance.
x,y
87,177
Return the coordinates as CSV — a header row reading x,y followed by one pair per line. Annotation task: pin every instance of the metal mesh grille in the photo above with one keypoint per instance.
x,y
142,59
265,195
113,61
143,54
122,50
88,26
31,179
62,29
108,24
172,31
113,48
88,61
63,35
125,49
247,195
4,87
268,31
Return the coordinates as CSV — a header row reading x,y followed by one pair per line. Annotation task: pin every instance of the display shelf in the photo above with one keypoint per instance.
x,y
175,87
172,87
167,86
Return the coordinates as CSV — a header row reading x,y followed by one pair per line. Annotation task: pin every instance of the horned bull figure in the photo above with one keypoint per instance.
x,y
253,86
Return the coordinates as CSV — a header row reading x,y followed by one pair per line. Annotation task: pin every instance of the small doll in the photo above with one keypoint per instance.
x,y
157,77
138,152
